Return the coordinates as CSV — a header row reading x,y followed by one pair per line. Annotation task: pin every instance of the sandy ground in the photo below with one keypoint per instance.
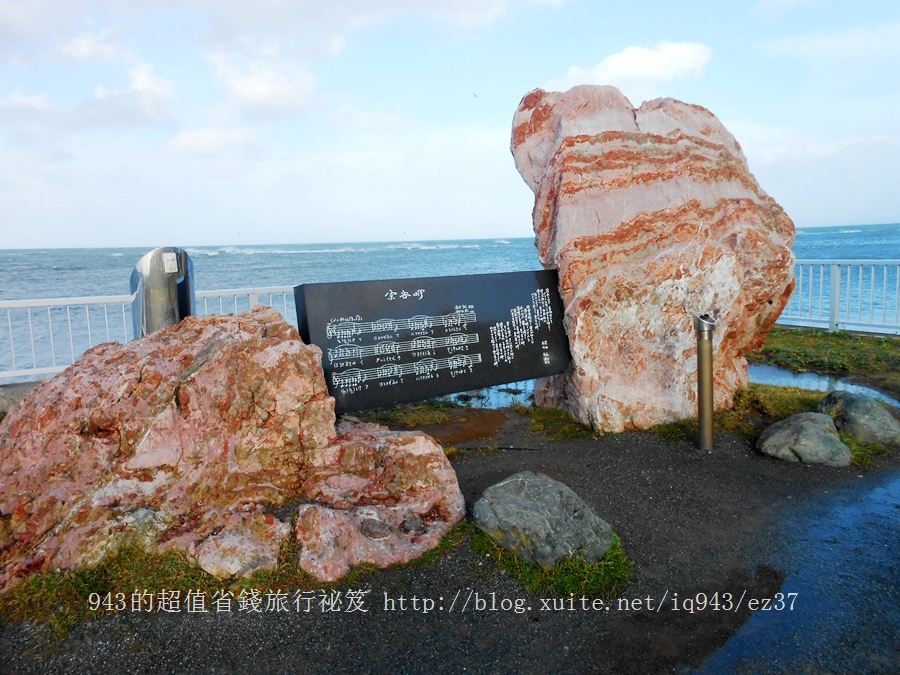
x,y
729,522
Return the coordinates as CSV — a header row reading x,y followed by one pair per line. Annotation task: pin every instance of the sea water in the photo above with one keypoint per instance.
x,y
29,274
56,273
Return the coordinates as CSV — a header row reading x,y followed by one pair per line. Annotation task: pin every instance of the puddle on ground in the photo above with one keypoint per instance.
x,y
501,396
506,395
840,553
766,374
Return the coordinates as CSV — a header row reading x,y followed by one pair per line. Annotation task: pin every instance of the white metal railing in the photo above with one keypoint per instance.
x,y
42,337
236,300
859,295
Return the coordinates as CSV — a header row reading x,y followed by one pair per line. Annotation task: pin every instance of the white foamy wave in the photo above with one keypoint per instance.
x,y
300,251
236,250
849,231
410,246
502,241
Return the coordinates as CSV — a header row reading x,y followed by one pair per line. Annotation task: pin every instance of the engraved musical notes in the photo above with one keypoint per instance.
x,y
346,352
390,341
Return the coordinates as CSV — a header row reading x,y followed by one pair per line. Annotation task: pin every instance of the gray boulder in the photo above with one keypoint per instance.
x,y
541,520
810,438
861,417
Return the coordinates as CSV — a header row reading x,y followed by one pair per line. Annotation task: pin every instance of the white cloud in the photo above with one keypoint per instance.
x,y
86,46
320,25
262,85
149,97
634,65
38,102
207,142
148,100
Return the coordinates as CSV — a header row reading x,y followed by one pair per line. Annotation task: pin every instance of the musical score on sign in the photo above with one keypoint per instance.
x,y
398,340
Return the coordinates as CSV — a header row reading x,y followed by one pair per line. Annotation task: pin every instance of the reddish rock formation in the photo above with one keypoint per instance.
x,y
187,439
652,217
376,496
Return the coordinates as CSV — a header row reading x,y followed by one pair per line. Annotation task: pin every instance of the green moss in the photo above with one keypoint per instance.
x,y
63,599
572,575
449,542
754,408
554,424
410,416
863,453
807,350
757,407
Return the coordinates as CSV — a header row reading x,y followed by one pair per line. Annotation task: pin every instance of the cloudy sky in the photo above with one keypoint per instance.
x,y
192,122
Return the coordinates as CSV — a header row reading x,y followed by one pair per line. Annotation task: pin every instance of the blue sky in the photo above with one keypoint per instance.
x,y
192,122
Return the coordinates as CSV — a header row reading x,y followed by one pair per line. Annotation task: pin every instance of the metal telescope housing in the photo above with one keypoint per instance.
x,y
162,290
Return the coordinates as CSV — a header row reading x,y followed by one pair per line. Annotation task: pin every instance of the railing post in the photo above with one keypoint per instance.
x,y
834,311
254,300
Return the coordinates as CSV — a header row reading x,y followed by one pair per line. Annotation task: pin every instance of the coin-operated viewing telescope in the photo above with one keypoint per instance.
x,y
162,290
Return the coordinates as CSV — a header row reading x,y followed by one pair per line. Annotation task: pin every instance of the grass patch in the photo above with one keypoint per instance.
x,y
553,423
754,409
411,415
460,532
809,350
61,600
572,575
757,407
864,453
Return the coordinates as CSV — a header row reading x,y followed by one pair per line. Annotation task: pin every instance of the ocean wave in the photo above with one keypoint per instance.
x,y
409,246
849,231
307,251
233,250
351,248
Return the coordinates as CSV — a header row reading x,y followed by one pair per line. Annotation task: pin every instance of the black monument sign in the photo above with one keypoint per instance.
x,y
399,340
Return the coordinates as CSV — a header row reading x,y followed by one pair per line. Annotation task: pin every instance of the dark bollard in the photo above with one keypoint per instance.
x,y
704,327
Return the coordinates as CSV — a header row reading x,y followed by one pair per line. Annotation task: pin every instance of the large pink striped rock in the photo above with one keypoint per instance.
x,y
195,438
652,217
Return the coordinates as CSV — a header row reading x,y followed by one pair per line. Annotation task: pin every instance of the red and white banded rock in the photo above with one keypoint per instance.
x,y
189,439
376,496
652,217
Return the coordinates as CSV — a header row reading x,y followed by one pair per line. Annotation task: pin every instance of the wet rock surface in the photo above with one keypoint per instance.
x,y
861,417
810,438
652,217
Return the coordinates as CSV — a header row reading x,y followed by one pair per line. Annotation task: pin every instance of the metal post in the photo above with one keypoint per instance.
x,y
704,327
834,312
